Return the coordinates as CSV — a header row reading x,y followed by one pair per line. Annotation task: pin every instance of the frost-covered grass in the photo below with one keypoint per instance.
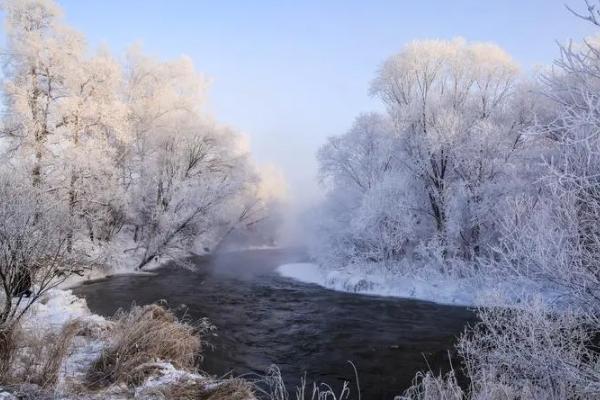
x,y
141,336
56,342
61,344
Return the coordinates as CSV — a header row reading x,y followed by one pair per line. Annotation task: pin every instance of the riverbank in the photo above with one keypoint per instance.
x,y
263,319
112,266
62,320
428,285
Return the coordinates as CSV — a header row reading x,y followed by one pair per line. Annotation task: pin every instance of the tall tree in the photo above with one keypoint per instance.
x,y
448,99
40,56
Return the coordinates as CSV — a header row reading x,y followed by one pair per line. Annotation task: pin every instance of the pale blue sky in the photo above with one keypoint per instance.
x,y
291,73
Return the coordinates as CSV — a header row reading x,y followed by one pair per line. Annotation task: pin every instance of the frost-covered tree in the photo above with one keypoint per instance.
x,y
545,346
106,162
427,177
126,147
184,172
34,257
63,112
359,159
450,101
41,55
553,234
361,171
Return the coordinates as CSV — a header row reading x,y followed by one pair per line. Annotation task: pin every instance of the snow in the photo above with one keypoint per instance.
x,y
108,260
435,289
59,307
167,375
303,272
49,315
430,286
93,275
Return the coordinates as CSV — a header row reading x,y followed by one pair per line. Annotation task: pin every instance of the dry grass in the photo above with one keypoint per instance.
x,y
230,389
431,387
140,337
271,386
56,351
40,355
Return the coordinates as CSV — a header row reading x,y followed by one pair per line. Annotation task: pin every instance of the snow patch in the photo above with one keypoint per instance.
x,y
58,307
167,375
6,395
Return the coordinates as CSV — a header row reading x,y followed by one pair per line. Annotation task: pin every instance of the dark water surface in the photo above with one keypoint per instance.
x,y
264,319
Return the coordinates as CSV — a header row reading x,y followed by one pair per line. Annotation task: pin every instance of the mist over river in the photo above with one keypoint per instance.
x,y
265,319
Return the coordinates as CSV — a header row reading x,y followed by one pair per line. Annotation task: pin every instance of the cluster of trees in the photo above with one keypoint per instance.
x,y
107,161
476,166
432,172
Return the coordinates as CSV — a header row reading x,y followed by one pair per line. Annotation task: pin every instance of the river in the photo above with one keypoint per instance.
x,y
264,319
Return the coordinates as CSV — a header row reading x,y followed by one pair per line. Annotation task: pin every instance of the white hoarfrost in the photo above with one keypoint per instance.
x,y
167,375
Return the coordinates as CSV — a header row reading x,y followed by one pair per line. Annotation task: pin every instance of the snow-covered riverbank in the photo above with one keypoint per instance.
x,y
48,319
431,286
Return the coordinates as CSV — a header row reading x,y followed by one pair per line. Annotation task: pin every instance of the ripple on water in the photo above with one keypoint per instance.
x,y
264,319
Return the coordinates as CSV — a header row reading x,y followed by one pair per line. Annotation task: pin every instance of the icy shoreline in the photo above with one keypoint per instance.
x,y
434,287
435,290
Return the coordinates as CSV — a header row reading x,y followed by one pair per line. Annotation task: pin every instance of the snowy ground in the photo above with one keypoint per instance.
x,y
431,286
59,307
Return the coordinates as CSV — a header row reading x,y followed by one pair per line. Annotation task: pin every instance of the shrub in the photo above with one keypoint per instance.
x,y
430,387
537,353
142,336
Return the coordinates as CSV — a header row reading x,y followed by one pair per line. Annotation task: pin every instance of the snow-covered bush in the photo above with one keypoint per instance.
x,y
385,225
33,251
533,349
526,352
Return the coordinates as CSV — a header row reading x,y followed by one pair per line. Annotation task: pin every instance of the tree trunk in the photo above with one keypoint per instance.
x,y
6,351
72,200
144,261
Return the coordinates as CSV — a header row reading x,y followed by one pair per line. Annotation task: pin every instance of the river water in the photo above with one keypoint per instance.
x,y
264,319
